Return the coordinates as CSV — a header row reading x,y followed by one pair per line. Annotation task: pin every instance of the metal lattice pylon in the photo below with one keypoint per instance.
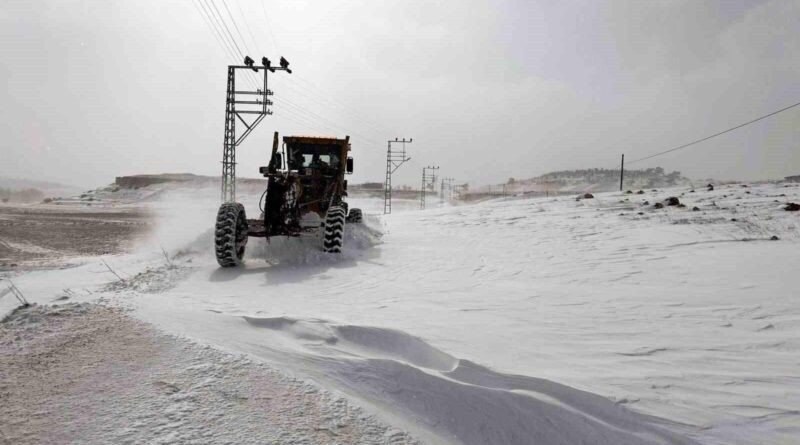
x,y
257,107
428,180
394,159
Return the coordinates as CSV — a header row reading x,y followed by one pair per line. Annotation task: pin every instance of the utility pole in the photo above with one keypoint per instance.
x,y
447,184
428,180
257,107
459,189
395,157
621,171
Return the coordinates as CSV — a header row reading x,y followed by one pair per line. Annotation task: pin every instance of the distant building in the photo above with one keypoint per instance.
x,y
795,178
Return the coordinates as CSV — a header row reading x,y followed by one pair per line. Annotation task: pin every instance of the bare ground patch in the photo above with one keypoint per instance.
x,y
46,235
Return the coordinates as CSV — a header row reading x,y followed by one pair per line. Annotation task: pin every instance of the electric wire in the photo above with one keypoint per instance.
x,y
225,25
221,34
376,126
269,27
689,144
235,26
298,110
378,133
249,30
223,44
254,83
317,116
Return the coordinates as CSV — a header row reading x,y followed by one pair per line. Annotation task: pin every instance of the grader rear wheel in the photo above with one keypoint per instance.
x,y
355,216
333,235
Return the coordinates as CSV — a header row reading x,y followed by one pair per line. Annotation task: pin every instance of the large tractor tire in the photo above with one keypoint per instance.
x,y
333,235
230,235
355,216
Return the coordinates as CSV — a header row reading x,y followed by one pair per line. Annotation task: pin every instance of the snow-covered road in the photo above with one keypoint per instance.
x,y
450,321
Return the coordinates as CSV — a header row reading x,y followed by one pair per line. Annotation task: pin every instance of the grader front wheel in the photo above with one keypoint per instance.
x,y
230,234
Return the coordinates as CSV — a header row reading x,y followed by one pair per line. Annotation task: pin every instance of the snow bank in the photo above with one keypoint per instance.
x,y
81,373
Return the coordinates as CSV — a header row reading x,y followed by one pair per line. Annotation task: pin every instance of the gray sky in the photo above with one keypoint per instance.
x,y
488,89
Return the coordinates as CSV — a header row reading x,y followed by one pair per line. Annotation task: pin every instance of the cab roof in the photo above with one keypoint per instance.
x,y
316,140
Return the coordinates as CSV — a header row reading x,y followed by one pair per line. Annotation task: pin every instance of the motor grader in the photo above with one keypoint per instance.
x,y
304,196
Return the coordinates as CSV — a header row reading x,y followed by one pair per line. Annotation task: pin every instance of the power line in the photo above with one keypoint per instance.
x,y
314,97
236,26
322,119
333,100
223,31
238,31
714,135
366,129
269,27
225,25
247,25
223,44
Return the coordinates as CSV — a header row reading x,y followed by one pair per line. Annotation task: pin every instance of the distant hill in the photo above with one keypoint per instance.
x,y
593,179
26,190
139,181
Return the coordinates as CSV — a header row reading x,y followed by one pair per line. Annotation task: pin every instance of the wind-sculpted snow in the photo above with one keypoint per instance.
x,y
457,398
362,340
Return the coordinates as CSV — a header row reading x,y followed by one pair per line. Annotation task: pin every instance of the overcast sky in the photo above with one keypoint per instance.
x,y
95,89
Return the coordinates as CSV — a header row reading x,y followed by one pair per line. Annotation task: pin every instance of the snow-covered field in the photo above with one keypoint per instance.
x,y
545,320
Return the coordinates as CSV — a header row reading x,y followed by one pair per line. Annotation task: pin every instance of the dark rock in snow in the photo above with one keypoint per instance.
x,y
733,219
672,201
710,187
640,192
695,209
647,203
629,192
588,196
774,238
792,207
681,206
658,205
